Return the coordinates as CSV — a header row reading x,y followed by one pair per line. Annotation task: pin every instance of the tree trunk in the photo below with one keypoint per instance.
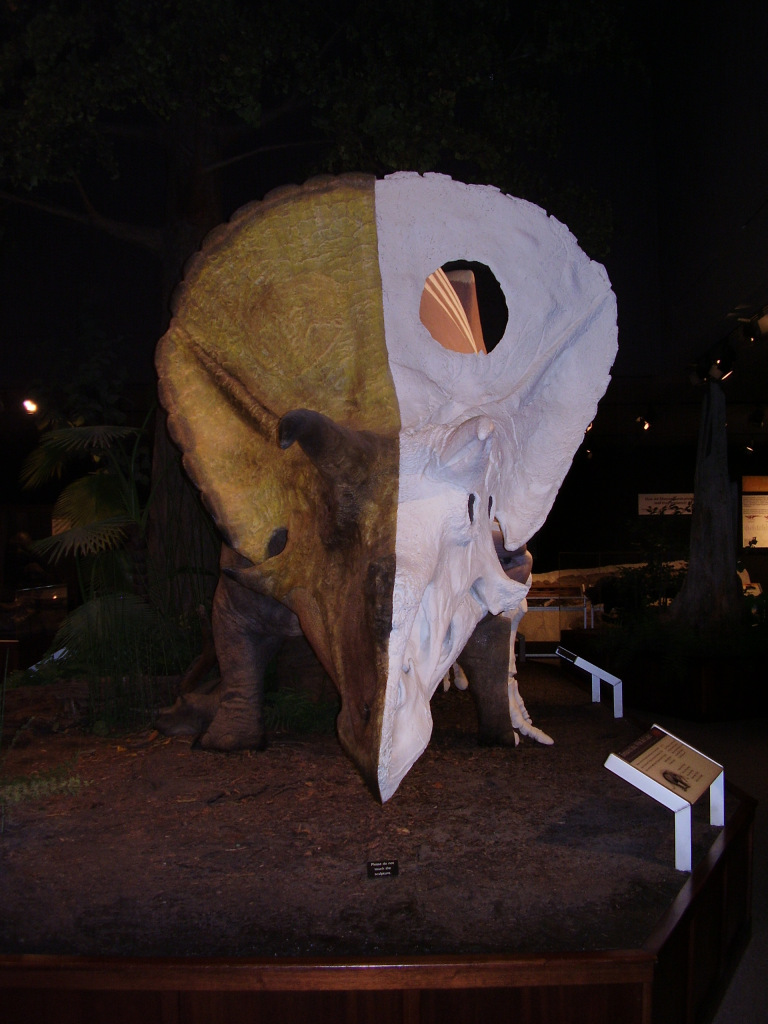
x,y
183,543
710,600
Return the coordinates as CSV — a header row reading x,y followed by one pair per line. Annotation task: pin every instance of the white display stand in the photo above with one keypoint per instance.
x,y
598,675
675,775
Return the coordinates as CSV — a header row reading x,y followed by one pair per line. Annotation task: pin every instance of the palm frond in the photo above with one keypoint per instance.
x,y
91,499
88,539
40,466
58,448
87,439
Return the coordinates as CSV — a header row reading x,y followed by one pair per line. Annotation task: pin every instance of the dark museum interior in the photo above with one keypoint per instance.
x,y
645,131
673,153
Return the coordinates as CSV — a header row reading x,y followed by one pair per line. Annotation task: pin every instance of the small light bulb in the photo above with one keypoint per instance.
x,y
30,406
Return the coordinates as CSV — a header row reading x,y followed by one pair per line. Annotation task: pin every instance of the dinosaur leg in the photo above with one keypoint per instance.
x,y
485,660
243,651
489,663
518,712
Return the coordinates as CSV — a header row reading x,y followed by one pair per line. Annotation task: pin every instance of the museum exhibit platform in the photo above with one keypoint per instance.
x,y
533,886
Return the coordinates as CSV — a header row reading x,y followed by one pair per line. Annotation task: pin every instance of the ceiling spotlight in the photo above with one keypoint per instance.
x,y
30,406
644,424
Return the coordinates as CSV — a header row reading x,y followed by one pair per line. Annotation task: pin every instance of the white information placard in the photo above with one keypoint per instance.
x,y
672,763
754,520
675,775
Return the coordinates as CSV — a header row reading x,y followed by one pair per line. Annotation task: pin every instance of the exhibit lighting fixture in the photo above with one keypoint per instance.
x,y
721,368
752,331
30,406
757,417
644,424
755,327
716,364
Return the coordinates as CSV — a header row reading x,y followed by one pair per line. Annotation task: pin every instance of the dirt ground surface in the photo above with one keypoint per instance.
x,y
147,846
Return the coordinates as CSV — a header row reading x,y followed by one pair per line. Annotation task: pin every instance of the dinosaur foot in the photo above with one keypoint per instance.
x,y
189,716
237,725
520,718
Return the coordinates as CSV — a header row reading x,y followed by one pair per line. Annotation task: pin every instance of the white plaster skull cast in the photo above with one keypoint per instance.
x,y
501,428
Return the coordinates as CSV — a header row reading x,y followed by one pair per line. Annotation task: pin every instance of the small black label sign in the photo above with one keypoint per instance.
x,y
383,868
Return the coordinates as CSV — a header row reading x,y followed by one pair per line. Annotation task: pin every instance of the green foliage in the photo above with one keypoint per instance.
x,y
102,628
107,466
3,686
58,449
656,656
38,787
67,63
131,651
129,634
661,541
91,538
200,85
475,92
57,780
288,710
81,386
638,591
661,536
645,639
101,507
47,670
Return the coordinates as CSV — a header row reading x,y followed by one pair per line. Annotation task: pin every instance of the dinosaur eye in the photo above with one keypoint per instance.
x,y
277,542
490,507
471,507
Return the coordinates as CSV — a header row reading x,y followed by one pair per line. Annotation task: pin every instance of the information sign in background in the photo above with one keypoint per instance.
x,y
754,520
665,504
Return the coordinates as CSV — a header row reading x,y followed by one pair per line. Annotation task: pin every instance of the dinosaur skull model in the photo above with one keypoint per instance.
x,y
354,465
